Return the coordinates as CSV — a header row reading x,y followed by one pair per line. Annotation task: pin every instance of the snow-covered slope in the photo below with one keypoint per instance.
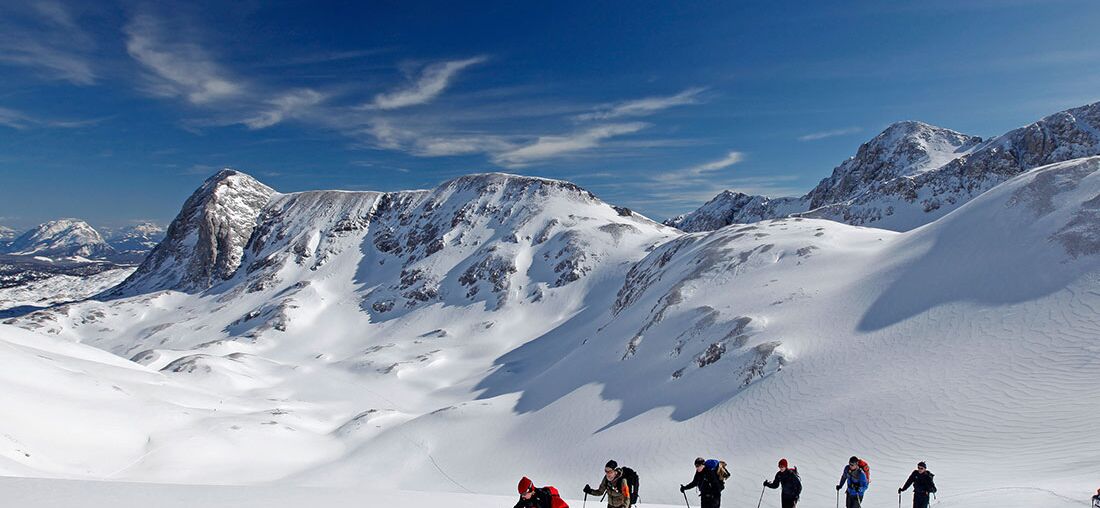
x,y
497,326
51,289
61,238
6,236
136,239
913,173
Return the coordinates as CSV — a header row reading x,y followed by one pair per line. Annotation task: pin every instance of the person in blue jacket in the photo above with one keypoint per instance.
x,y
857,484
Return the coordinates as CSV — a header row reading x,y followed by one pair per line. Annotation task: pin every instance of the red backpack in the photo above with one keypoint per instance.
x,y
866,470
555,499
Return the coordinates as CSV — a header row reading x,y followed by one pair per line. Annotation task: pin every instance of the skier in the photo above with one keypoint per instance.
x,y
710,486
921,480
1096,499
792,484
532,497
614,484
857,483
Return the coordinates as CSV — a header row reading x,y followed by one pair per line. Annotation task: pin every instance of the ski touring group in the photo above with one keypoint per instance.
x,y
620,486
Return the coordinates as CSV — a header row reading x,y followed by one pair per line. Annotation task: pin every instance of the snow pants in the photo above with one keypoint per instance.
x,y
853,501
710,502
920,500
789,502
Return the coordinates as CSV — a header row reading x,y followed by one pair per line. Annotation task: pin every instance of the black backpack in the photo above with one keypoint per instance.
x,y
631,477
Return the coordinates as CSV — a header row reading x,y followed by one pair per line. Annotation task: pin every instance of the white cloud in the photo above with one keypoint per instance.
x,y
289,105
178,69
13,119
814,136
19,120
46,38
432,81
644,107
387,136
55,12
548,147
701,170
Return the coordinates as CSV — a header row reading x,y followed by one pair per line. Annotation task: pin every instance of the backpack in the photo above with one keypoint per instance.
x,y
631,477
719,467
866,470
555,499
794,470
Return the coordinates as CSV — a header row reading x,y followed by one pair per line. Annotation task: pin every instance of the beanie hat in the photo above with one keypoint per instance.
x,y
700,461
922,464
853,460
525,484
782,462
611,464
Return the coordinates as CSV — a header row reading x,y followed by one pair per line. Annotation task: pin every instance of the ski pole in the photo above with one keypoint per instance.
x,y
585,499
761,497
837,498
686,499
899,499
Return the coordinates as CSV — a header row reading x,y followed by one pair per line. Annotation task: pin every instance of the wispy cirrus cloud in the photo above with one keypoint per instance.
x,y
702,169
45,36
549,147
644,107
430,84
292,104
386,135
21,121
176,68
814,136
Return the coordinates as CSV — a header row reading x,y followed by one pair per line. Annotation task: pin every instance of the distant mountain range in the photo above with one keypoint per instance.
x,y
75,238
912,174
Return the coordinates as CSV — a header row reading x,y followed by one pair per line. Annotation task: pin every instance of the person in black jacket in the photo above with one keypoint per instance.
x,y
792,484
710,486
1096,499
923,486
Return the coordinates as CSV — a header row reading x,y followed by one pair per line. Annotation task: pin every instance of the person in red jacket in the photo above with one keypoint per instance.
x,y
535,497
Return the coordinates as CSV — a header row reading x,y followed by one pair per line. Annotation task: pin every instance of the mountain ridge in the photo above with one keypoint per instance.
x,y
913,173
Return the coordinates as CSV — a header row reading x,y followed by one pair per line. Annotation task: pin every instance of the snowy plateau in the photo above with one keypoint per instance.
x,y
431,347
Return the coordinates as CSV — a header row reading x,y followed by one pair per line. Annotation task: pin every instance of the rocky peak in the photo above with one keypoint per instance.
x,y
903,149
205,242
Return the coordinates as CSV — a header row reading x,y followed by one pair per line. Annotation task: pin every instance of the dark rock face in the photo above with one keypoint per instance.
x,y
205,243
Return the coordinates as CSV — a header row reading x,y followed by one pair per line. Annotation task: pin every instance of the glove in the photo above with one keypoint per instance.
x,y
587,489
765,483
900,491
838,487
682,488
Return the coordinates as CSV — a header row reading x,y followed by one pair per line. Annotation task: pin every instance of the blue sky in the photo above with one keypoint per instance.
x,y
115,112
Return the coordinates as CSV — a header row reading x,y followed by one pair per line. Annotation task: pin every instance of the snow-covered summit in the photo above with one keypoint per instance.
x,y
904,149
62,238
205,242
141,237
731,207
913,173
